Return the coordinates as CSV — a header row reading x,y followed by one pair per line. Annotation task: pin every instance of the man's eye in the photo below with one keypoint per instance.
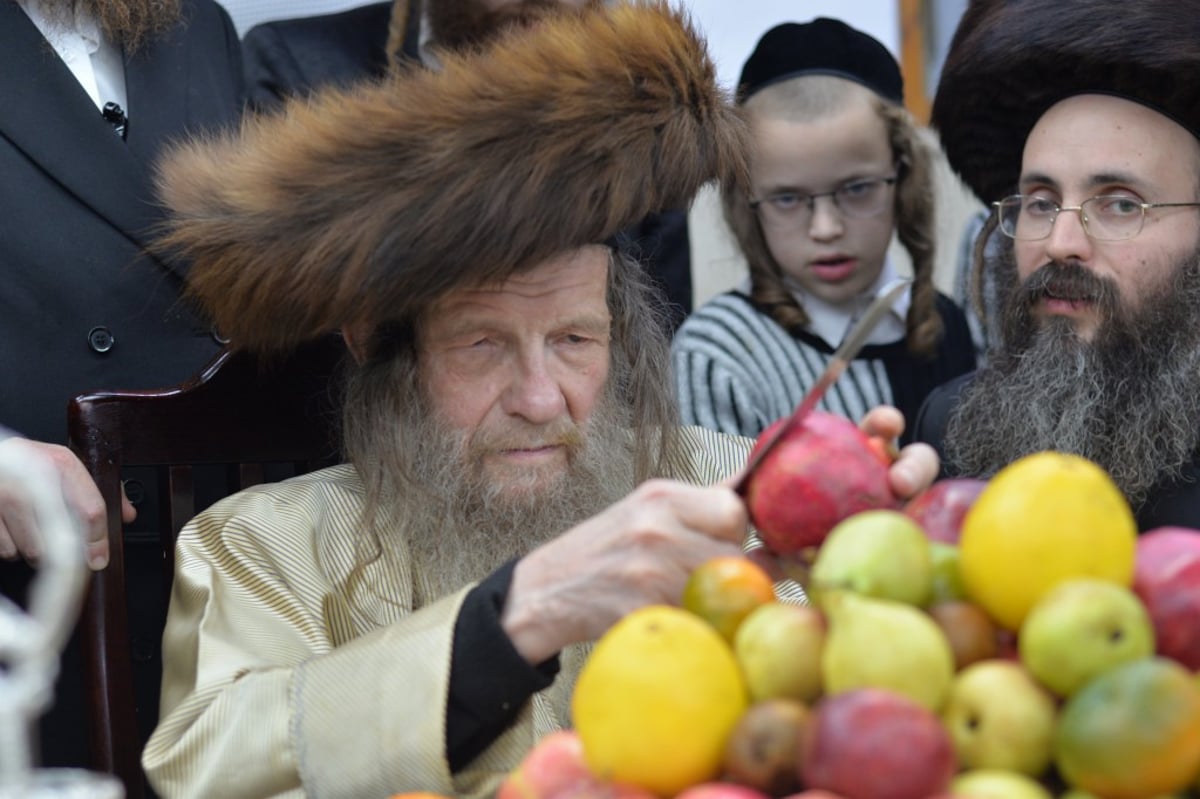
x,y
1117,206
1039,206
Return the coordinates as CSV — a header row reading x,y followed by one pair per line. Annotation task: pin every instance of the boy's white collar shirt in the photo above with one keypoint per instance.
x,y
831,322
94,61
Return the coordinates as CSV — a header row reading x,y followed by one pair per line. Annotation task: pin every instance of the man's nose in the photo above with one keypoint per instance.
x,y
1068,239
535,393
825,221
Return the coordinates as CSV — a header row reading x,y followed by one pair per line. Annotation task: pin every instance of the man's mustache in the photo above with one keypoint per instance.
x,y
563,433
1072,281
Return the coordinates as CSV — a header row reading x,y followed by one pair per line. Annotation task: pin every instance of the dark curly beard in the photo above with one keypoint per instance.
x,y
127,23
467,24
1129,400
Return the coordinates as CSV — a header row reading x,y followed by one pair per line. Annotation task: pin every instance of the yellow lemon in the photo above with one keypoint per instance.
x,y
657,700
1045,518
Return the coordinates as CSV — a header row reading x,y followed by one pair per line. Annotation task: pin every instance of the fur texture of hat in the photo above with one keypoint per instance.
x,y
370,203
1011,60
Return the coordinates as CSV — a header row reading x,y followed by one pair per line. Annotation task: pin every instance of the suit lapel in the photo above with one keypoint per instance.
x,y
54,123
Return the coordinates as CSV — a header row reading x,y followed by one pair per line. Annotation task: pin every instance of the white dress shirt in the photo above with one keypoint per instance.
x,y
94,61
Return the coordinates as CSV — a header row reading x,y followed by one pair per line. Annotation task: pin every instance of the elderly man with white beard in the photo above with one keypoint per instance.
x,y
1086,139
517,482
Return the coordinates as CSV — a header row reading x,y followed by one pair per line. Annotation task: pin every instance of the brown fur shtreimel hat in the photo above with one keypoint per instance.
x,y
1011,60
369,203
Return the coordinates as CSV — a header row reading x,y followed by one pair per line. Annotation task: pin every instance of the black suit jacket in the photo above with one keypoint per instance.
x,y
77,212
292,57
83,305
1173,502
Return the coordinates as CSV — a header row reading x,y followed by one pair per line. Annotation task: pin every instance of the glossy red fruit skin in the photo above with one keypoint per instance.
x,y
822,472
875,744
1167,580
941,508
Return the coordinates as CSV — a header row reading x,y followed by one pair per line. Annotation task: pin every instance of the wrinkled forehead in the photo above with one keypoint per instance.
x,y
580,275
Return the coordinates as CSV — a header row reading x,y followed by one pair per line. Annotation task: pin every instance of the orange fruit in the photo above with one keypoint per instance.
x,y
724,590
656,701
1043,519
1132,732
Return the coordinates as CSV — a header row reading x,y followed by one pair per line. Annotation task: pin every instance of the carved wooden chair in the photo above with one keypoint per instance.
x,y
239,422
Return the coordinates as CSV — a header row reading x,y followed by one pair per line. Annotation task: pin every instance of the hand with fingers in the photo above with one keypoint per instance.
x,y
637,552
19,535
915,466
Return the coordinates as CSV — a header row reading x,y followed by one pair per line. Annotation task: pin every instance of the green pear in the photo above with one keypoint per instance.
x,y
997,784
878,643
947,584
1081,628
877,553
778,646
999,717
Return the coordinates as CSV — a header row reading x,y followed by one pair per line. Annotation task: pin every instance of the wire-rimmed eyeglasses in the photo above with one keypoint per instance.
x,y
1105,217
858,199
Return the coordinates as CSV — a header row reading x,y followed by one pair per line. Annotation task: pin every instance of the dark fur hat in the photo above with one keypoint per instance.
x,y
1010,60
368,204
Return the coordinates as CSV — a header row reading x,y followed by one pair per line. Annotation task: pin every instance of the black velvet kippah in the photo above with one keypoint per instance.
x,y
821,47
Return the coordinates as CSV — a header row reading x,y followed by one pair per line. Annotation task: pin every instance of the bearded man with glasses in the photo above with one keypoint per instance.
x,y
1094,148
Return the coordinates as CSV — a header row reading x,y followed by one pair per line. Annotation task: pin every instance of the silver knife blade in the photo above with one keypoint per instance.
x,y
851,344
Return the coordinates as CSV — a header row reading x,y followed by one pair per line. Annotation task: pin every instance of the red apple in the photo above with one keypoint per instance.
x,y
940,509
1167,579
553,767
720,790
874,744
823,471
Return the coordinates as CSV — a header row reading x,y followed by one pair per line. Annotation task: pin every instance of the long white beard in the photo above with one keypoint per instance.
x,y
463,526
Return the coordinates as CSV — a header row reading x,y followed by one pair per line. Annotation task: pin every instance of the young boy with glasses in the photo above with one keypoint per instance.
x,y
837,169
1088,145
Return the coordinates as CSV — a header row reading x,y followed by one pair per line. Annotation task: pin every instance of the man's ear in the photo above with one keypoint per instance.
x,y
357,335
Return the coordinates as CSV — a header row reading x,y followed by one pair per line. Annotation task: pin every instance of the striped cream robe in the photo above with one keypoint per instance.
x,y
276,684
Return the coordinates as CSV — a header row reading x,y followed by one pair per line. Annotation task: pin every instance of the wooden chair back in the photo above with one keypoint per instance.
x,y
237,423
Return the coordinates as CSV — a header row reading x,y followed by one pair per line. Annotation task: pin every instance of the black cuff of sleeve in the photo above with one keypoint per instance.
x,y
489,680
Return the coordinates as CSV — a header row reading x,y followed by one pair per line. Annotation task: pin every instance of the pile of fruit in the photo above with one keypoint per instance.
x,y
1014,639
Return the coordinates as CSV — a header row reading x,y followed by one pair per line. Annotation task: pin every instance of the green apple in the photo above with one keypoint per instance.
x,y
778,646
1082,628
1000,718
997,784
878,553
